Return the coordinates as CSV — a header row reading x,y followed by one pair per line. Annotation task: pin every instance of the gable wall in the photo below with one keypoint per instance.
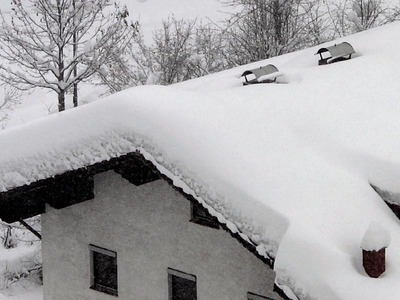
x,y
148,226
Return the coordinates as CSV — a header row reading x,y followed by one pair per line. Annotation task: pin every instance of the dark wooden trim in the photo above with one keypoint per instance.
x,y
395,208
250,247
104,289
22,202
136,169
181,274
386,197
71,187
30,228
253,296
281,293
59,191
200,215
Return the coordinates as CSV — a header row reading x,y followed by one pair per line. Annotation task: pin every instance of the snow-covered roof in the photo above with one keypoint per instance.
x,y
288,165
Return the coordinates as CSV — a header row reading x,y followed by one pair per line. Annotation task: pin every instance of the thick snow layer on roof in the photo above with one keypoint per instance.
x,y
375,238
289,165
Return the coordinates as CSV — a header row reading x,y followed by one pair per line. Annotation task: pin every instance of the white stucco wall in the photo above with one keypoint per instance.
x,y
148,226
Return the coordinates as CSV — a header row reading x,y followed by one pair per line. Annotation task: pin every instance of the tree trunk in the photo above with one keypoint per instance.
x,y
61,100
75,97
75,86
61,91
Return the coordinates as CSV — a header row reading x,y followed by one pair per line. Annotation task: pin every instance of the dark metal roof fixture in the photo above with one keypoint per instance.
x,y
265,74
337,52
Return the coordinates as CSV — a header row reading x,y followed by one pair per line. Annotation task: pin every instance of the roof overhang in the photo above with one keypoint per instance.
x,y
77,186
71,187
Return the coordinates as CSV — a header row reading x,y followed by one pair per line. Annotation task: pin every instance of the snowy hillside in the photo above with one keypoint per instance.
x,y
289,165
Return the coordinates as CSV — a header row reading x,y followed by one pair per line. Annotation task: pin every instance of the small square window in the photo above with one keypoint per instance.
x,y
252,296
103,270
182,286
200,215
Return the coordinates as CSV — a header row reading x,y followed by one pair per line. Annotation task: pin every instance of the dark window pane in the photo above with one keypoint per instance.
x,y
183,289
105,270
200,212
201,216
104,275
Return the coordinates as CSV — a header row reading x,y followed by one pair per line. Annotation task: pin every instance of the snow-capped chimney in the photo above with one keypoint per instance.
x,y
374,244
374,262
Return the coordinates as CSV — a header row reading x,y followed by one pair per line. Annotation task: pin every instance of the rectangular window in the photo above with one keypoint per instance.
x,y
200,215
103,270
252,296
182,286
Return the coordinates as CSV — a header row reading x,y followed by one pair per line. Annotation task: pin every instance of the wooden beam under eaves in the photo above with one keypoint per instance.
x,y
71,187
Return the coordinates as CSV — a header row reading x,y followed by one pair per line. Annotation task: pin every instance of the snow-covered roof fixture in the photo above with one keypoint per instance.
x,y
265,74
337,52
373,245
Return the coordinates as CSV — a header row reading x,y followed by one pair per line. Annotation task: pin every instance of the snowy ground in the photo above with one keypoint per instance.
x,y
35,293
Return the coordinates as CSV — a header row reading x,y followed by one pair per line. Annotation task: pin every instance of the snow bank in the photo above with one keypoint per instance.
x,y
290,166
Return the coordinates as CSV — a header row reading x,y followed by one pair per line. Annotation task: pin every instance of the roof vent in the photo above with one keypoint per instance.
x,y
265,74
335,53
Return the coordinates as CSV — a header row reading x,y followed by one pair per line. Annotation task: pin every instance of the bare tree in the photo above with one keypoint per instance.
x,y
264,28
181,50
184,50
339,20
117,74
208,55
37,39
349,16
27,268
371,13
143,62
172,50
12,97
129,68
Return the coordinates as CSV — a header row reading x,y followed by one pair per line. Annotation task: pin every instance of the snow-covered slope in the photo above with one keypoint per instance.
x,y
289,165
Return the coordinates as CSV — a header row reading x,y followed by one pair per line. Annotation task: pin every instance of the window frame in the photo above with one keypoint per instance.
x,y
96,286
208,220
252,296
172,272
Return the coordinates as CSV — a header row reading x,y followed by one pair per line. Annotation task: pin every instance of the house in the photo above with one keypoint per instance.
x,y
184,191
118,227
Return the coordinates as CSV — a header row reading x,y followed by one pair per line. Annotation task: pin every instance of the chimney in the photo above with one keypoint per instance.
x,y
374,244
374,262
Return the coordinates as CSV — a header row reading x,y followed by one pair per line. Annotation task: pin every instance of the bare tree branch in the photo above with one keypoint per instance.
x,y
37,40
